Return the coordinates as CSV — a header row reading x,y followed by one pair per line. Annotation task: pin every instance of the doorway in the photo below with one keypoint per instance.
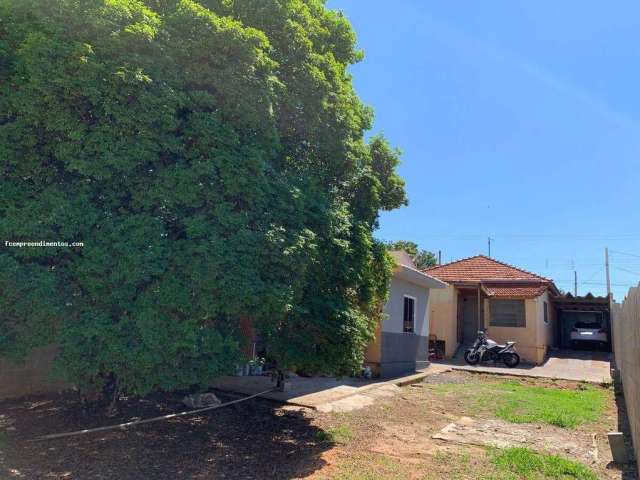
x,y
469,319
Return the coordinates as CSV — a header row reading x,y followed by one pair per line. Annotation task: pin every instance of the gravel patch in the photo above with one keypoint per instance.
x,y
446,378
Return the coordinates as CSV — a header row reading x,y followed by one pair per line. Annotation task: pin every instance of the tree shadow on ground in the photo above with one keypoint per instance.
x,y
252,440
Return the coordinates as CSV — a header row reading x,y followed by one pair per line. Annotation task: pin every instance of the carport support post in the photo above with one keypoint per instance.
x,y
480,312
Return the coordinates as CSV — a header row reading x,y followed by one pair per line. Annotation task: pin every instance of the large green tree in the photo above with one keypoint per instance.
x,y
210,155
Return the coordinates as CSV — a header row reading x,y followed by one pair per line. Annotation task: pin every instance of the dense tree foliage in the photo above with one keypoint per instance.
x,y
422,258
211,157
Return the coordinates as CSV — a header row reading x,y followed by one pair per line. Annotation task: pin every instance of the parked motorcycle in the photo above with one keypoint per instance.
x,y
484,349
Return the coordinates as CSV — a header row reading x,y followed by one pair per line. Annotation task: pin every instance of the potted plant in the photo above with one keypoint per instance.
x,y
256,365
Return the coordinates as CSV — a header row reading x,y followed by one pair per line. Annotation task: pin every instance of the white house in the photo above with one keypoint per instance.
x,y
401,344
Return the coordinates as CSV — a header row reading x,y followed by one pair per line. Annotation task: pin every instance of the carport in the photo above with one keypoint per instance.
x,y
571,310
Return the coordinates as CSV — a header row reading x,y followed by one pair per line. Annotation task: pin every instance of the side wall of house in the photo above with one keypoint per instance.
x,y
372,354
443,321
31,377
400,351
545,329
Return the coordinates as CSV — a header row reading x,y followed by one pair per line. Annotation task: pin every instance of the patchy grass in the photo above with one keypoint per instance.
x,y
340,434
527,464
519,403
391,440
370,466
508,464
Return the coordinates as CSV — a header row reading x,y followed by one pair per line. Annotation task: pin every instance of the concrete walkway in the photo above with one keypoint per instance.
x,y
578,365
325,393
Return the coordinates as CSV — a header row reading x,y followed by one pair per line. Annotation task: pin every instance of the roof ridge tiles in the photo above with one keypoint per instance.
x,y
484,257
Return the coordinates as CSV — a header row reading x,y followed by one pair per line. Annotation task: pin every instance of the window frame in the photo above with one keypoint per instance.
x,y
413,320
545,308
520,301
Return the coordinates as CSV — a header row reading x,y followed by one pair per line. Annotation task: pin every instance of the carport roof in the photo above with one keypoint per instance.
x,y
569,301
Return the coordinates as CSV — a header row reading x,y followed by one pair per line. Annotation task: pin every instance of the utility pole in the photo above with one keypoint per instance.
x,y
606,267
439,257
489,242
575,283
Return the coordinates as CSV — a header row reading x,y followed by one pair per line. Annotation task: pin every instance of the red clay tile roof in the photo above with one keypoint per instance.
x,y
514,291
479,269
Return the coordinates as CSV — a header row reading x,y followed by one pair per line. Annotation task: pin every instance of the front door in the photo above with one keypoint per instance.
x,y
469,319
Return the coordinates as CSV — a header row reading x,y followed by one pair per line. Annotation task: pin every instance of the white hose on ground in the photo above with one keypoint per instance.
x,y
124,426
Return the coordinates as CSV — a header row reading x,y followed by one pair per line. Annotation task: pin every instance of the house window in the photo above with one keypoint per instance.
x,y
507,313
409,315
546,312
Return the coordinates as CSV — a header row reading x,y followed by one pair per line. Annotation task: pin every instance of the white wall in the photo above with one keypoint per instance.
x,y
395,307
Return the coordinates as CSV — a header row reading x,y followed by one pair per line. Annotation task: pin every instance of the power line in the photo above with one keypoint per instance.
x,y
613,284
625,270
595,273
624,253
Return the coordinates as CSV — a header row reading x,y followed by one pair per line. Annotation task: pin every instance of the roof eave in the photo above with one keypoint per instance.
x,y
417,277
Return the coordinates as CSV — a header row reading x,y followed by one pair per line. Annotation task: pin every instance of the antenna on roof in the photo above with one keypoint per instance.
x,y
606,268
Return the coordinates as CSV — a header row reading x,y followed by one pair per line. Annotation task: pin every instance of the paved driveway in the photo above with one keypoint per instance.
x,y
577,365
324,393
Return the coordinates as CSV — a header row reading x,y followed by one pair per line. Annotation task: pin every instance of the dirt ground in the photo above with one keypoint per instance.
x,y
259,439
256,439
394,438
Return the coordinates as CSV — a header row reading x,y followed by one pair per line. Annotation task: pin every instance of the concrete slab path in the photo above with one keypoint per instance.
x,y
578,365
323,393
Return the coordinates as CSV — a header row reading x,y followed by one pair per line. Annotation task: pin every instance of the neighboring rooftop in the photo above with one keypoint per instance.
x,y
486,270
406,269
402,258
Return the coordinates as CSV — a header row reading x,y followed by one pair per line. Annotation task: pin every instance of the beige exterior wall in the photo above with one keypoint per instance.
x,y
532,341
373,353
31,377
443,305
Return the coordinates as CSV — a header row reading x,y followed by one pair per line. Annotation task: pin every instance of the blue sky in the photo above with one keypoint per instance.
x,y
517,120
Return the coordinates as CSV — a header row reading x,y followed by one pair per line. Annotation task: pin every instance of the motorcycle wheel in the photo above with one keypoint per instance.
x,y
511,360
471,357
